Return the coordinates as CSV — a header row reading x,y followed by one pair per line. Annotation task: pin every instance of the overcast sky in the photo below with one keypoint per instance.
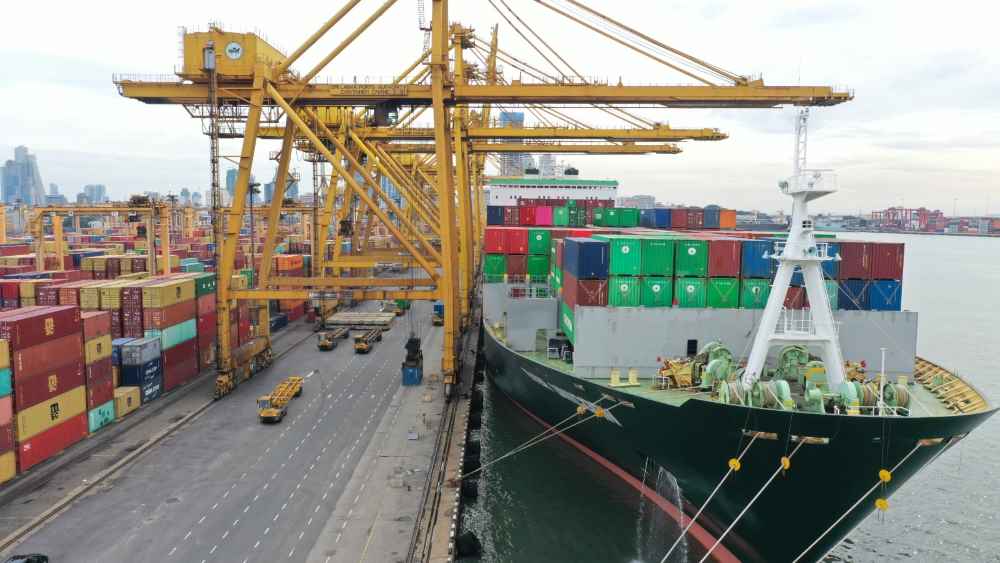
x,y
922,130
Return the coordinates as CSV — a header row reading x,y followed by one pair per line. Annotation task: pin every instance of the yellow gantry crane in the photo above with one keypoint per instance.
x,y
248,90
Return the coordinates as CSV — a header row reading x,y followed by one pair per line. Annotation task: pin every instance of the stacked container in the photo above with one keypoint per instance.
x,y
585,268
46,358
142,367
8,457
98,369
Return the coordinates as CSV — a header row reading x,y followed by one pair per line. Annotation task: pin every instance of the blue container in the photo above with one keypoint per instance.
x,y
655,218
439,308
585,258
853,295
6,385
754,265
885,295
830,267
494,215
279,321
711,217
148,377
116,349
139,351
412,375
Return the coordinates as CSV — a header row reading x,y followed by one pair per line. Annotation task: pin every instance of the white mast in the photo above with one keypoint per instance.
x,y
812,327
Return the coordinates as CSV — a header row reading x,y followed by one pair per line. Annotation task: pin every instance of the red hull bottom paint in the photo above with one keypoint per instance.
x,y
704,539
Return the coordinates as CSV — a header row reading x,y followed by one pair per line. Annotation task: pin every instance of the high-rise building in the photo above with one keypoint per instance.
x,y
268,194
96,193
53,189
512,164
231,176
186,196
21,179
196,199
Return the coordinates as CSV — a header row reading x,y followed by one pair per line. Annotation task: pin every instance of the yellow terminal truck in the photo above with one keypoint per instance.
x,y
364,342
273,407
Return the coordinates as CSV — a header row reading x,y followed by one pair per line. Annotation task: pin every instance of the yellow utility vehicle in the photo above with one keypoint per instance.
x,y
364,342
274,407
327,340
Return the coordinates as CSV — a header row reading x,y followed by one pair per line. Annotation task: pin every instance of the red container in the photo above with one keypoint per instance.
x,y
100,389
181,373
679,218
34,389
585,233
493,240
586,293
132,323
517,264
887,261
855,260
95,324
10,289
45,357
7,437
168,316
206,304
29,326
46,444
559,253
515,242
558,233
724,258
207,324
695,218
511,216
206,354
526,215
795,298
48,295
98,369
589,218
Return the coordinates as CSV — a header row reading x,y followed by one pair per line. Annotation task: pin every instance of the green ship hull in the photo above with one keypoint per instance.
x,y
834,467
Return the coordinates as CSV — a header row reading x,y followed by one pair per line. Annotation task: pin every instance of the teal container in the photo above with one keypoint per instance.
x,y
6,385
101,416
174,335
204,284
833,293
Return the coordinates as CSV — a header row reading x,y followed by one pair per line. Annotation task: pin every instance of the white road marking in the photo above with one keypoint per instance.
x,y
256,545
225,535
266,530
187,535
172,550
235,522
202,520
214,547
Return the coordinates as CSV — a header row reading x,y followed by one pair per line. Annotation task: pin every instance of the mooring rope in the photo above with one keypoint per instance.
x,y
550,432
732,467
782,466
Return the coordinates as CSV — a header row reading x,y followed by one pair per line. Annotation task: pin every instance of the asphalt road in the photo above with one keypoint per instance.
x,y
227,488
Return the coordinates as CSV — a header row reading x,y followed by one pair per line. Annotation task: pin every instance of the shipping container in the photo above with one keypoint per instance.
x,y
101,416
494,215
35,389
885,295
100,388
566,322
95,324
543,216
539,241
691,258
175,334
511,216
887,261
127,399
560,216
116,349
537,266
795,298
612,217
853,295
831,268
723,293
97,349
516,240
585,258
658,256
691,292
148,377
754,292
517,264
160,318
168,292
727,219
856,260
140,351
832,291
657,291
585,293
51,441
628,217
625,254
493,240
6,382
658,218
712,217
6,412
755,261
205,304
8,466
624,291
42,358
45,415
4,354
23,328
724,258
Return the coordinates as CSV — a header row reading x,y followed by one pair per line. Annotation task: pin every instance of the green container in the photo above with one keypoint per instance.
x,y
567,322
626,254
101,416
204,284
174,335
624,291
403,304
494,265
560,217
196,267
754,293
628,217
577,217
599,213
538,266
612,217
658,256
724,293
691,292
539,241
555,283
832,291
657,292
691,259
248,274
558,274
6,384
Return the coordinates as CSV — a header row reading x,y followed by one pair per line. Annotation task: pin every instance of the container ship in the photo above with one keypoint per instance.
x,y
774,375
89,333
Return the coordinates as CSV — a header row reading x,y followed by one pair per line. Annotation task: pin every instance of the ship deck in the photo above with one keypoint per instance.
x,y
934,391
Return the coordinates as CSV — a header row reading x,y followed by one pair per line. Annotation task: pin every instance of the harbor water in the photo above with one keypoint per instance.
x,y
552,503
